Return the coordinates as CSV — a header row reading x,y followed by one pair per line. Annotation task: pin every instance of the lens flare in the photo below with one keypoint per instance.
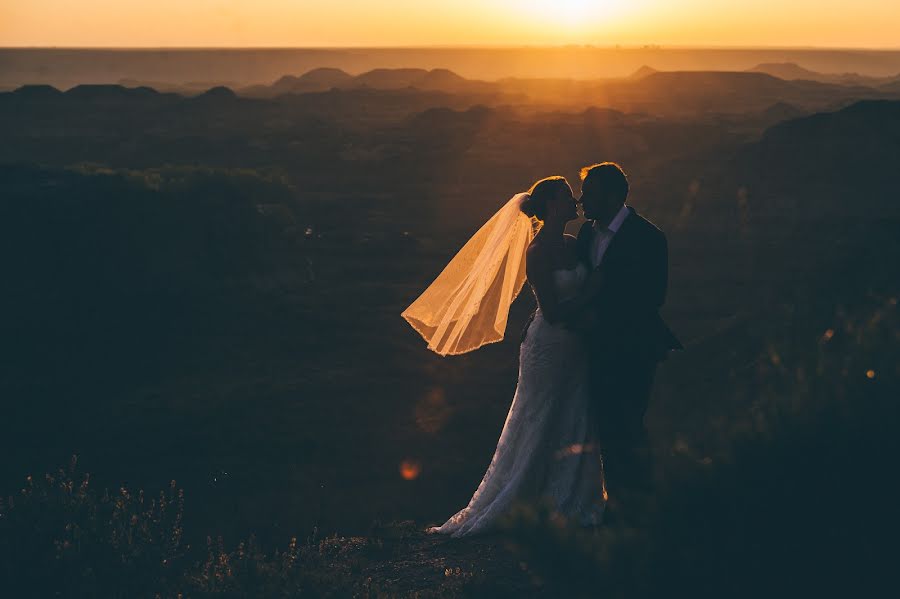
x,y
410,469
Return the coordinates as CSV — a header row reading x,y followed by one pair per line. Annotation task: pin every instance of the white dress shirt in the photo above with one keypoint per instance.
x,y
603,235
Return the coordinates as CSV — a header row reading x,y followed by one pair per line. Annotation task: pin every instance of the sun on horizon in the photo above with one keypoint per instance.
x,y
575,15
379,23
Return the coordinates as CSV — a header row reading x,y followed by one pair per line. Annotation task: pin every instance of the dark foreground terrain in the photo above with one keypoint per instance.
x,y
208,289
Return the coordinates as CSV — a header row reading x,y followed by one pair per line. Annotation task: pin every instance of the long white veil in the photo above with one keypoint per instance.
x,y
467,306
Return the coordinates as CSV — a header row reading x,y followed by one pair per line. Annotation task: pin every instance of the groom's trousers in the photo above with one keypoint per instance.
x,y
621,387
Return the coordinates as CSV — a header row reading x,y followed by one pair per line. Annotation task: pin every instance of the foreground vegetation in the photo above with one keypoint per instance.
x,y
804,505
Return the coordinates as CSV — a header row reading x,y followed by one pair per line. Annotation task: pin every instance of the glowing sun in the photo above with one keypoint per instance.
x,y
573,13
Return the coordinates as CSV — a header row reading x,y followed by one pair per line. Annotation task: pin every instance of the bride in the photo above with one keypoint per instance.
x,y
547,449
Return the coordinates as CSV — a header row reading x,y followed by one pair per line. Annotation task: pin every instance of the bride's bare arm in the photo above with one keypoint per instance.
x,y
539,269
578,310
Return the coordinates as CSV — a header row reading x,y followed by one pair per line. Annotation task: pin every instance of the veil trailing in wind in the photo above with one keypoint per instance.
x,y
467,306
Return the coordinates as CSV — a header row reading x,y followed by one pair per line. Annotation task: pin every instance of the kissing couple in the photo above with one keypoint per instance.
x,y
575,433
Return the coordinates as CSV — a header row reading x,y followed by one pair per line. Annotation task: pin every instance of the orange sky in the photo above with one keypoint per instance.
x,y
300,23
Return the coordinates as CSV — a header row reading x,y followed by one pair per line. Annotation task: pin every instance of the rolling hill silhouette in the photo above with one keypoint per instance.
x,y
725,92
219,92
325,79
108,92
645,90
642,72
731,84
790,71
313,81
37,92
838,162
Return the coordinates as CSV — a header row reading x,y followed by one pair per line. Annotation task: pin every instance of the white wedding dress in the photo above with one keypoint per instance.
x,y
547,449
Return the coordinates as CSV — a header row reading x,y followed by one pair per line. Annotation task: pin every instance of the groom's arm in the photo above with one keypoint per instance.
x,y
651,286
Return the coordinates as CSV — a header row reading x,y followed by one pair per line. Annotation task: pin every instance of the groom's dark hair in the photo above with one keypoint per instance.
x,y
608,176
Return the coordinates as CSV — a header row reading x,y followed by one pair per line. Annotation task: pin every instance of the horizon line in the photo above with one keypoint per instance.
x,y
572,46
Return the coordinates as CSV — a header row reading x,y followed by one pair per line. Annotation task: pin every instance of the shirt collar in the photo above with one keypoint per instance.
x,y
620,217
616,222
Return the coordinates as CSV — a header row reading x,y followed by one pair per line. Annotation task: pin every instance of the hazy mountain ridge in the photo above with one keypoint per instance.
x,y
142,121
790,71
644,86
643,72
648,90
324,79
319,80
237,67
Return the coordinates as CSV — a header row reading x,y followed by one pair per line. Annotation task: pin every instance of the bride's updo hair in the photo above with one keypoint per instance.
x,y
540,193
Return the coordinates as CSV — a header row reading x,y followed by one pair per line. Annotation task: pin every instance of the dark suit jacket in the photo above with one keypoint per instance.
x,y
636,273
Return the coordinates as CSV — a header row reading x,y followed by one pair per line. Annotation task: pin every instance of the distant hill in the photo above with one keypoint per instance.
x,y
105,91
790,71
442,79
219,92
37,92
188,88
390,78
845,128
216,94
325,76
319,80
109,96
829,161
782,111
892,87
728,92
397,93
711,81
786,71
642,72
314,81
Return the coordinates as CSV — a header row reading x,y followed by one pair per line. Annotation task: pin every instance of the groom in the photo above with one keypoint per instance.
x,y
627,338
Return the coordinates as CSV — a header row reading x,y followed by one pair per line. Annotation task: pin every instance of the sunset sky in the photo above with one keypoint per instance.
x,y
299,23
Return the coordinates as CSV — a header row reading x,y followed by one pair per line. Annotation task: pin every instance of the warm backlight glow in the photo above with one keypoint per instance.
x,y
573,16
287,23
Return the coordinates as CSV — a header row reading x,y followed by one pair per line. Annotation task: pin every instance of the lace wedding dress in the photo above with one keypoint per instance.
x,y
547,449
